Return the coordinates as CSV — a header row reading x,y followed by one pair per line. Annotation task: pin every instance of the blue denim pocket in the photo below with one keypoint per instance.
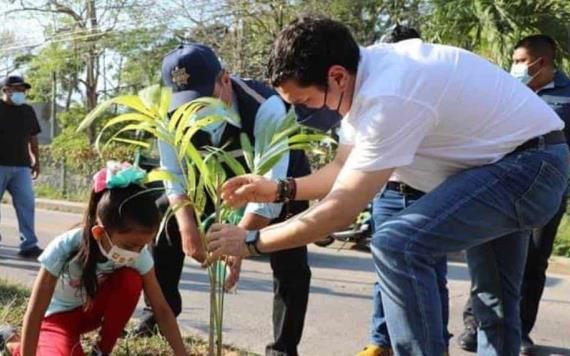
x,y
542,198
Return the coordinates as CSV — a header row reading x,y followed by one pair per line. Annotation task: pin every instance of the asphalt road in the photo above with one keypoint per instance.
x,y
340,301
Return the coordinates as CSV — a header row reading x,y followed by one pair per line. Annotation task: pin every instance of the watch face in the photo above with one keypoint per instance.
x,y
251,236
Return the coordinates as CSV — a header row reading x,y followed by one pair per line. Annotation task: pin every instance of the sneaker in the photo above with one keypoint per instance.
x,y
146,328
375,350
468,340
527,346
33,252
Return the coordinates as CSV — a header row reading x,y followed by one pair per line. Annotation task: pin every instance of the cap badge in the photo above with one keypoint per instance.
x,y
180,76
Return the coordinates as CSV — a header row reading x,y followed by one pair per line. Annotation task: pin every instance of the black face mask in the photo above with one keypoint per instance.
x,y
321,118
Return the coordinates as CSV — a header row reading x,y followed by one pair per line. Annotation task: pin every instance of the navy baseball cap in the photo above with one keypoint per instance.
x,y
191,71
14,80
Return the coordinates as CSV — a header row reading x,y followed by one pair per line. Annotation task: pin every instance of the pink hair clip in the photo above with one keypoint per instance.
x,y
100,180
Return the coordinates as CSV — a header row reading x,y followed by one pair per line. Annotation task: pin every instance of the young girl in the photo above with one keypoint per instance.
x,y
91,277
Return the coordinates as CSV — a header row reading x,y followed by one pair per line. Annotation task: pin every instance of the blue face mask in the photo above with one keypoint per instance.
x,y
321,118
18,98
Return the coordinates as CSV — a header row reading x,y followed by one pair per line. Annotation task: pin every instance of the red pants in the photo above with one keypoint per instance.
x,y
111,310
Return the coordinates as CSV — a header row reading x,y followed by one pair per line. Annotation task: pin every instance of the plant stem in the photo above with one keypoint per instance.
x,y
212,313
219,291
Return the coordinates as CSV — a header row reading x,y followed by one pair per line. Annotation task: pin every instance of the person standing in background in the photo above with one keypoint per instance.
x,y
19,158
533,64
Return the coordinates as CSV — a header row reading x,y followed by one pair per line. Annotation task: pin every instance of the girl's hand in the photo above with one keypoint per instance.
x,y
164,317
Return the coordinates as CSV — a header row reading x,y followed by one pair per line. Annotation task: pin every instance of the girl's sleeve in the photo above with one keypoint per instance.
x,y
145,262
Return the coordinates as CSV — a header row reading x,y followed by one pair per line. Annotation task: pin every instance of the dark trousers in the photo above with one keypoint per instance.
x,y
291,283
540,249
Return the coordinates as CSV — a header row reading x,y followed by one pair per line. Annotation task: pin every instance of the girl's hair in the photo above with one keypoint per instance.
x,y
119,210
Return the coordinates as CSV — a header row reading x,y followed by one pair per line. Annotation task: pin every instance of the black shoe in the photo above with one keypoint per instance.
x,y
527,346
33,252
468,340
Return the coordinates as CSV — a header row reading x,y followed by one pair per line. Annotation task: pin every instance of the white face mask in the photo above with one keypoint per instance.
x,y
117,255
520,72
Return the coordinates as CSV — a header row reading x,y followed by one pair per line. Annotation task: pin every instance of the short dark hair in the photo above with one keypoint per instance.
x,y
306,48
539,46
400,33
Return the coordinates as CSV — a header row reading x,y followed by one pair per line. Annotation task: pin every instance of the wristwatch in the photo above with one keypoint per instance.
x,y
251,239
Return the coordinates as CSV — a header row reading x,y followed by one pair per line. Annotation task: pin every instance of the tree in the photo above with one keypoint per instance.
x,y
81,27
492,28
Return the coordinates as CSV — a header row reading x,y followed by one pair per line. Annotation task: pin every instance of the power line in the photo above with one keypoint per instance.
x,y
71,37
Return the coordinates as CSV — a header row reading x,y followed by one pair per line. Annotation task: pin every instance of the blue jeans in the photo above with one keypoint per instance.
x,y
490,210
18,182
385,205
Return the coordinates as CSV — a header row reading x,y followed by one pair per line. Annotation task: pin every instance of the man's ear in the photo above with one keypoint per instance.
x,y
339,74
97,231
226,80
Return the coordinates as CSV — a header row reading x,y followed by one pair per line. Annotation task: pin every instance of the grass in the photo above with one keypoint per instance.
x,y
562,241
13,300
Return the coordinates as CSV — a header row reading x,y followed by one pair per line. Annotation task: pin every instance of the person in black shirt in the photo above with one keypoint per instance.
x,y
19,158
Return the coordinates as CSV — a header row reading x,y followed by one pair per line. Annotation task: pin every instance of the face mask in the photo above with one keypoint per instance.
x,y
117,255
18,98
321,118
520,72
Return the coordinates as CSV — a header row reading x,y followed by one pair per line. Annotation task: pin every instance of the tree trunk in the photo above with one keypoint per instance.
x,y
91,82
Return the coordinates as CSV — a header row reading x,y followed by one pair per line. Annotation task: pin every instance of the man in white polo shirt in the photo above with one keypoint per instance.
x,y
487,150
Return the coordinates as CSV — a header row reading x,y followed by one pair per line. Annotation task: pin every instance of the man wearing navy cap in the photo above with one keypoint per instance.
x,y
194,71
18,137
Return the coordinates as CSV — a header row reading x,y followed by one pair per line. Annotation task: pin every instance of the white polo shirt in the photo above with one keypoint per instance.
x,y
432,111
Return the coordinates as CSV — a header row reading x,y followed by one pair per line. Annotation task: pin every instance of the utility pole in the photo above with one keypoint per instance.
x,y
53,105
91,87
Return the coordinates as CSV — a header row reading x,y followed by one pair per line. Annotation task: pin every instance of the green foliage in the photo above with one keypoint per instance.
x,y
562,241
492,28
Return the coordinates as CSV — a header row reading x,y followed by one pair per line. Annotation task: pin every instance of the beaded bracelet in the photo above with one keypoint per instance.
x,y
286,190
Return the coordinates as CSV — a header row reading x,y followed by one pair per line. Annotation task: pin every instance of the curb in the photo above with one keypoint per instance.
x,y
57,205
556,264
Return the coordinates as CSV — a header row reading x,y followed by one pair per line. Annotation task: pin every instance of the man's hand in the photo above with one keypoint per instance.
x,y
36,170
192,245
235,270
226,239
238,191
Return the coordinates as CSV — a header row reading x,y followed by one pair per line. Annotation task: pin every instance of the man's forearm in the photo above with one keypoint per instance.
x,y
352,191
183,212
34,149
317,185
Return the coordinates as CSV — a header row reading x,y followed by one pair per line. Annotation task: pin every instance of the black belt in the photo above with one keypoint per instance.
x,y
550,138
403,188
